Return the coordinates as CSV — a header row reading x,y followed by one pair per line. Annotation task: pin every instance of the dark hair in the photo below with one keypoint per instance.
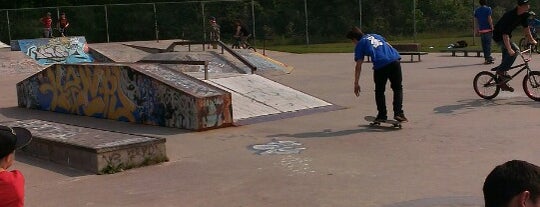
x,y
510,179
355,33
483,2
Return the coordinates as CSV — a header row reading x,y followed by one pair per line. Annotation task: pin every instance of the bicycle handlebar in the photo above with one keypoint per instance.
x,y
529,50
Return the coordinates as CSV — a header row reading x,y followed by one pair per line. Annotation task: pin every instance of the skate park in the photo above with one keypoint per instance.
x,y
322,154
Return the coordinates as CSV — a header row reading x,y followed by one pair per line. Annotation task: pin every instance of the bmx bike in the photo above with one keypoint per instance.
x,y
487,84
242,43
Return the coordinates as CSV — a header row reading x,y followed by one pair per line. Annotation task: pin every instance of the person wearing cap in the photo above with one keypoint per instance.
x,y
47,23
62,24
515,183
484,27
502,34
11,182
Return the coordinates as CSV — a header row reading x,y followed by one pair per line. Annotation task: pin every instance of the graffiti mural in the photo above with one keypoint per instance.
x,y
55,50
118,92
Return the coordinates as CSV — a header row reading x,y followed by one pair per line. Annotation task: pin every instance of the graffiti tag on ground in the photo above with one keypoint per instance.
x,y
278,148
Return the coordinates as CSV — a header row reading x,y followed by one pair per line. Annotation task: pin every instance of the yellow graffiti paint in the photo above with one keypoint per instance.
x,y
88,91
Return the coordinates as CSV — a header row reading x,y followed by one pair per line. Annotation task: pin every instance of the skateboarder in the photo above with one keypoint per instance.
x,y
386,66
11,182
515,183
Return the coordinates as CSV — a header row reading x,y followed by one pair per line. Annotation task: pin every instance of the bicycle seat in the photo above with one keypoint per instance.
x,y
494,69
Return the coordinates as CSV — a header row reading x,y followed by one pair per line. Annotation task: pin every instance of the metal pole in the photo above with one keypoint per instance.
x,y
473,32
414,19
106,23
9,26
205,70
307,22
203,22
360,11
253,19
156,23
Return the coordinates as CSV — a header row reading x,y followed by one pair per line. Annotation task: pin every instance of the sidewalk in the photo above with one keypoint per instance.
x,y
441,157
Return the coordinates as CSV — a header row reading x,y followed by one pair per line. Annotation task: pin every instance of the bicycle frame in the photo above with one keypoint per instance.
x,y
524,65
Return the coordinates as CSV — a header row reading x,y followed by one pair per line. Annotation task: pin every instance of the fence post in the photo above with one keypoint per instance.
x,y
9,26
106,22
307,22
253,19
203,22
205,70
156,23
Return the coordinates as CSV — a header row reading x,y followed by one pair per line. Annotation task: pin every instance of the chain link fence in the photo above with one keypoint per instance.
x,y
294,22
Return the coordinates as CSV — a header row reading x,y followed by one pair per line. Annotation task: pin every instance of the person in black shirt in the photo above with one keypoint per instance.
x,y
502,34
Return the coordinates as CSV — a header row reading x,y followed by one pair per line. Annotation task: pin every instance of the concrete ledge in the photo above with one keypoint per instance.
x,y
97,151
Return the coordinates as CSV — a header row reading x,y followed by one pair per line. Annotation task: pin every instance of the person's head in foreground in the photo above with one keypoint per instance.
x,y
11,139
11,182
515,183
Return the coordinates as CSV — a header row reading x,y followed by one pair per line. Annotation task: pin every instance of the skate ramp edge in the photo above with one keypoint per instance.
x,y
93,150
139,93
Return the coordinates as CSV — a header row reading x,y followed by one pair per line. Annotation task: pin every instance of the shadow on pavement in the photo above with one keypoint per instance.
x,y
450,201
50,166
477,103
455,66
330,133
89,122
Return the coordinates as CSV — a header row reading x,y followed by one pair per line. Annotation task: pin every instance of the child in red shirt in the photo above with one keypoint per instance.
x,y
11,182
47,23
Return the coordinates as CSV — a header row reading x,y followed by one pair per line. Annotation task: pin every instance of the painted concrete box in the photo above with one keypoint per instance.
x,y
48,51
93,150
140,93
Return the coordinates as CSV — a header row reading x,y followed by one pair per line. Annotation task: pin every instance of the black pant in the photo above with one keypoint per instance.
x,y
390,72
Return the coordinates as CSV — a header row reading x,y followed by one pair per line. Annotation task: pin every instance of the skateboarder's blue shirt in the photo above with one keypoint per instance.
x,y
377,48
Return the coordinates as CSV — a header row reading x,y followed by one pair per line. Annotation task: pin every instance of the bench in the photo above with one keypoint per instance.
x,y
412,49
465,51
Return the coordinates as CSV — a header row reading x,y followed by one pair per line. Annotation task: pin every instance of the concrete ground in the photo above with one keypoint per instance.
x,y
440,158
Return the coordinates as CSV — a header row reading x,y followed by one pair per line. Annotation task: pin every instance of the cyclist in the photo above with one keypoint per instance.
x,y
533,24
241,34
502,34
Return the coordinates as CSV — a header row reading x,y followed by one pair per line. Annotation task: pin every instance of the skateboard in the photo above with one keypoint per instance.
x,y
394,123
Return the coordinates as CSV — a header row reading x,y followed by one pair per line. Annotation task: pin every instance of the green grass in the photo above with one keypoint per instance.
x,y
429,44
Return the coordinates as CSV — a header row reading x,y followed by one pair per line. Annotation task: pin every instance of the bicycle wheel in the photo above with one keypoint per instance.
x,y
485,85
531,85
522,44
